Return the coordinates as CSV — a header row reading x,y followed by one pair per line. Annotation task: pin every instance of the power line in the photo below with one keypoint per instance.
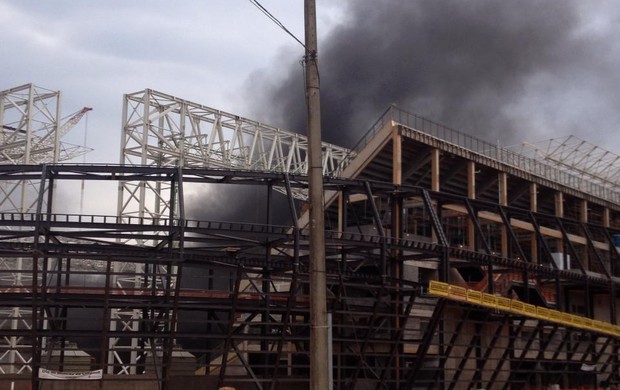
x,y
275,20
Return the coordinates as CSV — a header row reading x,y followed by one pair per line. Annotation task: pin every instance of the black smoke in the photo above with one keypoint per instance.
x,y
238,203
481,66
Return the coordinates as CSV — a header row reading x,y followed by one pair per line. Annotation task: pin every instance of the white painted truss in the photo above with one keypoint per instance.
x,y
30,133
578,156
31,128
162,130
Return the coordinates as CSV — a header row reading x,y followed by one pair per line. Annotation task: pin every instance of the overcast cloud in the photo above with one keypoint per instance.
x,y
95,51
506,71
545,68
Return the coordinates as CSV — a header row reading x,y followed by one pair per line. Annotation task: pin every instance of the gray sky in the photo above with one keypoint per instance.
x,y
507,71
95,51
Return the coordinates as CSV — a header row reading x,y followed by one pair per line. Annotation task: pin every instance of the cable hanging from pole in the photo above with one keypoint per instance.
x,y
275,20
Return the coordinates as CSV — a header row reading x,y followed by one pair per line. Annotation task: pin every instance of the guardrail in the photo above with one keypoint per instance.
x,y
486,149
475,297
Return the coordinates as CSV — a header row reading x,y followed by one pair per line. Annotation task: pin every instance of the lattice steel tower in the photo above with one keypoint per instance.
x,y
31,133
161,130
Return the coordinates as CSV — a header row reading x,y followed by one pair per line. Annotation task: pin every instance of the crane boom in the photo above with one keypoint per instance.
x,y
71,122
13,142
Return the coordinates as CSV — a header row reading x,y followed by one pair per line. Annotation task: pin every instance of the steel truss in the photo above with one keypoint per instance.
x,y
161,130
226,303
165,131
31,133
578,156
31,130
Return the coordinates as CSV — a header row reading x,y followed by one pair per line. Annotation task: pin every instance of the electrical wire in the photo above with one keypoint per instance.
x,y
275,20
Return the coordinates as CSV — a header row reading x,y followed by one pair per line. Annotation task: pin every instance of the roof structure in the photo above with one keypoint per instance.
x,y
578,156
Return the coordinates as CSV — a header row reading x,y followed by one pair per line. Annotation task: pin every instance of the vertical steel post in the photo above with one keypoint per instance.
x,y
318,305
57,135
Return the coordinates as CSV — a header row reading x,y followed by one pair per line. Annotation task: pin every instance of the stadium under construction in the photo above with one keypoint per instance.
x,y
452,263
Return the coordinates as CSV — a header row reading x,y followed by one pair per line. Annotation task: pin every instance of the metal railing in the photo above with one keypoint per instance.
x,y
484,148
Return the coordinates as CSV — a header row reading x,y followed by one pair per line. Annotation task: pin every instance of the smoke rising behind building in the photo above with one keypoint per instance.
x,y
499,70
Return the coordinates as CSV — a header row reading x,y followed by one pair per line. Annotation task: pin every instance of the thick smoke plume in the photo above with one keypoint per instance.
x,y
481,66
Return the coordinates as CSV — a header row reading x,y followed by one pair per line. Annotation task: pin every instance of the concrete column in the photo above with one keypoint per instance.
x,y
503,188
397,179
583,211
583,217
559,212
435,169
503,200
471,194
397,157
534,208
559,204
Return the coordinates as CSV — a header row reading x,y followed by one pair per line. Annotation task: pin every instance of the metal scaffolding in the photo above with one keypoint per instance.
x,y
162,130
237,312
157,297
578,156
31,133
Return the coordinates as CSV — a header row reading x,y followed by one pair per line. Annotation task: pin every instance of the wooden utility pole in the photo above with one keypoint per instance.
x,y
318,304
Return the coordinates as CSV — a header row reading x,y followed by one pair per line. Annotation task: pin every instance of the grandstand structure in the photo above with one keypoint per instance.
x,y
451,263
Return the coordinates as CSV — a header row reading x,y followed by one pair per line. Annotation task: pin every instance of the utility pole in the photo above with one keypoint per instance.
x,y
318,303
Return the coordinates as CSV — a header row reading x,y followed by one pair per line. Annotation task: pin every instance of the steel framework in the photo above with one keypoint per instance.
x,y
160,130
31,127
579,156
162,300
165,131
225,303
31,133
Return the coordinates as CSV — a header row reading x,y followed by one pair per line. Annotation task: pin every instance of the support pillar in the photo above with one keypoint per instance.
x,y
503,200
583,218
397,157
534,208
435,169
319,378
396,232
471,194
559,212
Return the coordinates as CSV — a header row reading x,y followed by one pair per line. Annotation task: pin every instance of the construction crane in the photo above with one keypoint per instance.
x,y
14,143
71,122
